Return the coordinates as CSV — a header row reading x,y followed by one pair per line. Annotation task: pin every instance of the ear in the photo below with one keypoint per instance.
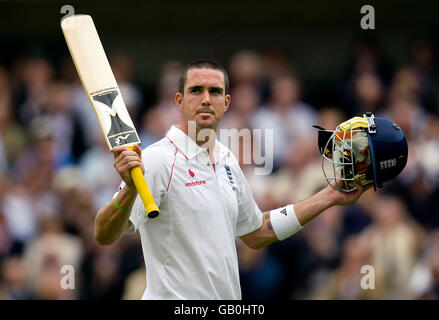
x,y
179,100
227,102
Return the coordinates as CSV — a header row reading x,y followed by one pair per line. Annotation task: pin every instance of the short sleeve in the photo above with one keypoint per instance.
x,y
156,176
249,214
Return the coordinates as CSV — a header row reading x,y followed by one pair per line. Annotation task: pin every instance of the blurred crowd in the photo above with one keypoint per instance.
x,y
56,172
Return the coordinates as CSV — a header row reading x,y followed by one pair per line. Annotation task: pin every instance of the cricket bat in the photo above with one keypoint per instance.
x,y
103,92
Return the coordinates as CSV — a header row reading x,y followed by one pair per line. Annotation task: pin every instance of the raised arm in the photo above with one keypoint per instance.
x,y
304,211
112,220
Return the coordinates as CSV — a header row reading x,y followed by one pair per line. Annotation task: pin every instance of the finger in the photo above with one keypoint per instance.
x,y
120,167
127,167
129,158
137,149
124,159
117,150
125,153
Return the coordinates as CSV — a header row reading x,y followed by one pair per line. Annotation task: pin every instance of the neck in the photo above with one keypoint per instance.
x,y
203,137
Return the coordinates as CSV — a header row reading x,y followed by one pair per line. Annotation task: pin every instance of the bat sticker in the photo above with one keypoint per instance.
x,y
118,133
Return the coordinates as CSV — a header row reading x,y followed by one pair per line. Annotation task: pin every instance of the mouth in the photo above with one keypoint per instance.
x,y
204,112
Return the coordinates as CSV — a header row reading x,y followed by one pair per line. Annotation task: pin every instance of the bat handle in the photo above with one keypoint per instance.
x,y
151,208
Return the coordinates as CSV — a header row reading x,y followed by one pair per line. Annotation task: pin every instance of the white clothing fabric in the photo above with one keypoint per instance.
x,y
189,249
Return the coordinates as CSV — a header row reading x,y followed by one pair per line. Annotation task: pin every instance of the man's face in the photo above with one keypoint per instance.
x,y
204,100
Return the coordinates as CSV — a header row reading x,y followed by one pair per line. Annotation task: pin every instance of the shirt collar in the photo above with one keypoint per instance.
x,y
189,148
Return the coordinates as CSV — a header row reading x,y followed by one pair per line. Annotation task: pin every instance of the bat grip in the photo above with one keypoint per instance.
x,y
151,208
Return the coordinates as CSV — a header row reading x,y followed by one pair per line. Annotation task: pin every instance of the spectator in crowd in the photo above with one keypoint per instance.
x,y
246,100
394,242
261,272
246,68
14,285
344,282
421,62
424,280
286,115
163,114
92,164
62,123
135,285
13,138
369,93
152,125
324,244
122,65
33,92
366,59
46,254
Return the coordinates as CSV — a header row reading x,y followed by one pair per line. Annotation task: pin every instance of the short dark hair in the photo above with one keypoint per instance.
x,y
201,64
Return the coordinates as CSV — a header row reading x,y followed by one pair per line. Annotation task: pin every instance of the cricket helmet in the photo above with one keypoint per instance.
x,y
362,150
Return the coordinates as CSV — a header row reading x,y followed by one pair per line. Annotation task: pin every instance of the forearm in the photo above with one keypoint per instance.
x,y
263,236
308,209
110,223
305,211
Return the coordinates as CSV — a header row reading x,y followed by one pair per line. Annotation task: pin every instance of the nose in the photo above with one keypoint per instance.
x,y
206,98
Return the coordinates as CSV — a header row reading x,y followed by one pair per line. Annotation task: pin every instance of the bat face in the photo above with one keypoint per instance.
x,y
98,80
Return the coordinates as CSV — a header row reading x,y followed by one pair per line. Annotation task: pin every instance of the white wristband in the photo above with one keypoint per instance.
x,y
284,222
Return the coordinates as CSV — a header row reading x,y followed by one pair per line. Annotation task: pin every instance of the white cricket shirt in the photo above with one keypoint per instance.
x,y
189,249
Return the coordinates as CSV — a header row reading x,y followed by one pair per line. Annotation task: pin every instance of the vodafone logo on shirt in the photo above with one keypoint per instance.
x,y
194,183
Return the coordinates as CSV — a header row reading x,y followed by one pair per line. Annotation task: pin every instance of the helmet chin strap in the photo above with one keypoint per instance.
x,y
370,118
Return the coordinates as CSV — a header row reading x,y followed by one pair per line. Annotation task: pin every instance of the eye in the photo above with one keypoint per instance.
x,y
195,90
215,91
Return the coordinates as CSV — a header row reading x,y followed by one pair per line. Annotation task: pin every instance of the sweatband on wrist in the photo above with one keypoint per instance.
x,y
284,222
118,206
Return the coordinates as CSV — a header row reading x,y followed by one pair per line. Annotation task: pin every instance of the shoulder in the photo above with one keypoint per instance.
x,y
163,145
